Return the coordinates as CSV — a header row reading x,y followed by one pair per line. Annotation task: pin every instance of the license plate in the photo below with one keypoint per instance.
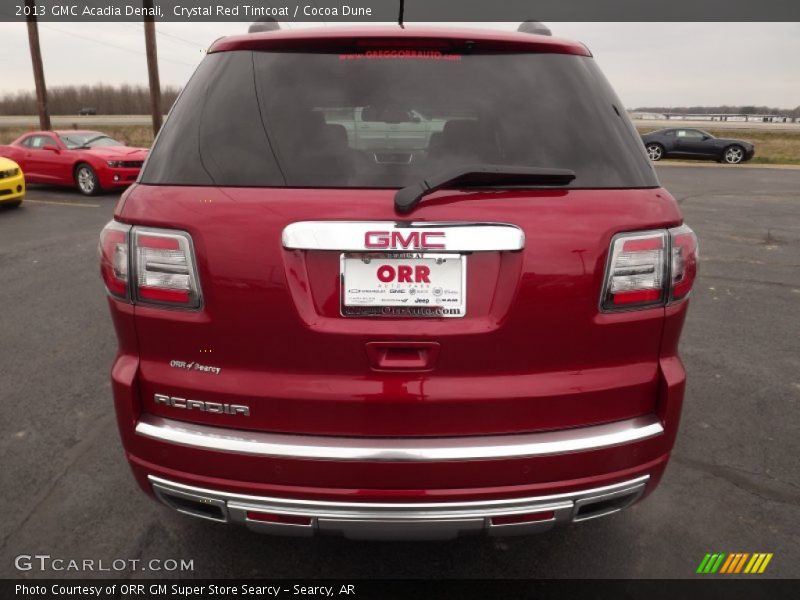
x,y
403,285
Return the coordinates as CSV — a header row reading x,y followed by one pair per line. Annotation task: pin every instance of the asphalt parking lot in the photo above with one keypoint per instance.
x,y
733,484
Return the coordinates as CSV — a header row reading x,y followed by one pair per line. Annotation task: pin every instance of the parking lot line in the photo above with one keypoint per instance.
x,y
81,204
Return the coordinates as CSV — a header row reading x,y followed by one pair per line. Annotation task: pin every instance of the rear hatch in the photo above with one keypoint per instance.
x,y
324,309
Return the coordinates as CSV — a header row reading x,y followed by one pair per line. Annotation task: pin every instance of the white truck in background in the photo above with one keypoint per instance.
x,y
384,130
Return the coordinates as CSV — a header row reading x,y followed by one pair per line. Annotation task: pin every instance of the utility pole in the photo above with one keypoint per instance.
x,y
38,68
152,64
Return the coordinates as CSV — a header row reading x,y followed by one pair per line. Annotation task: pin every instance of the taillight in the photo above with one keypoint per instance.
x,y
639,274
684,261
637,270
114,262
164,268
149,266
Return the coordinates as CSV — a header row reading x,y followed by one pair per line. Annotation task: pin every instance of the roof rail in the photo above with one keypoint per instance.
x,y
536,27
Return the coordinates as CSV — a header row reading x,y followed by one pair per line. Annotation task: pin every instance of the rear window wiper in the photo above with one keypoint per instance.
x,y
480,176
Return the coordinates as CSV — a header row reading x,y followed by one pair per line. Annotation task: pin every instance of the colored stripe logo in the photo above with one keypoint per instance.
x,y
736,562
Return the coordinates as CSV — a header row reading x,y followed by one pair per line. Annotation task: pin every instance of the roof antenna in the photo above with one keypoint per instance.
x,y
264,24
400,16
537,27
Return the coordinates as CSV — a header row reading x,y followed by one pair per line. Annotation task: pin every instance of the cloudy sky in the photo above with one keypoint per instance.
x,y
666,64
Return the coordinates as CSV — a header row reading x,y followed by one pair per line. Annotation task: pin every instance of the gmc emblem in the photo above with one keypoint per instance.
x,y
392,240
211,407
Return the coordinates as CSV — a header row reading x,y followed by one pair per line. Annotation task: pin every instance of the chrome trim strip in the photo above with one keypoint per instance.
x,y
349,236
385,510
488,447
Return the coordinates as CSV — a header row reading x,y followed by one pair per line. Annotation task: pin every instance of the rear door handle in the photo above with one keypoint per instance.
x,y
402,356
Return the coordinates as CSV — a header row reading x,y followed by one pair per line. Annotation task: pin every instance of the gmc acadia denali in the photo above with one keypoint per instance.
x,y
475,336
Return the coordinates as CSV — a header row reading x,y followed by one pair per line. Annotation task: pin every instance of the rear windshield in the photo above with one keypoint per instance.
x,y
386,120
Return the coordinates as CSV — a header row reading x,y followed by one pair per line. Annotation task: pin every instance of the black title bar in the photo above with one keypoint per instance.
x,y
370,11
712,588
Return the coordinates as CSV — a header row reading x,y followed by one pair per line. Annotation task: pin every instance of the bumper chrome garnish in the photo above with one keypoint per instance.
x,y
486,447
370,520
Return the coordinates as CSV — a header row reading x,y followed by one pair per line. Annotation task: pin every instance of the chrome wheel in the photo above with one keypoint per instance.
x,y
87,182
655,152
734,155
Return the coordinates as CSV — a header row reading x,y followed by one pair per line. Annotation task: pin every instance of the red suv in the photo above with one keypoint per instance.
x,y
398,283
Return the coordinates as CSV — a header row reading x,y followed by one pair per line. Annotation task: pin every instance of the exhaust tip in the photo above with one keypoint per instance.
x,y
195,506
607,504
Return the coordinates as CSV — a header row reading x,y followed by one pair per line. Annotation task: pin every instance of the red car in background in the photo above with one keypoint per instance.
x,y
89,160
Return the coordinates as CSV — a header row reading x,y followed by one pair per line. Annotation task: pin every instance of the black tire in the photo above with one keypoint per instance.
x,y
12,204
86,180
655,151
733,154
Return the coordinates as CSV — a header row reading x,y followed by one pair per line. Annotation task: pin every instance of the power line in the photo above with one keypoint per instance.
x,y
172,36
180,39
131,50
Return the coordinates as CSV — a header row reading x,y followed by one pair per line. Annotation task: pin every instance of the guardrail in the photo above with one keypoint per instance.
x,y
740,118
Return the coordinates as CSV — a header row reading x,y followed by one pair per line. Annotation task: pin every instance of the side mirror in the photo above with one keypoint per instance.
x,y
55,149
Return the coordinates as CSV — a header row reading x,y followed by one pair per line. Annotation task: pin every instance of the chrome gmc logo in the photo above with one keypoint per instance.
x,y
392,240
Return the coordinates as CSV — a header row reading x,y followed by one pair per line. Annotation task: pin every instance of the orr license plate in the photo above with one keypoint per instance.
x,y
403,285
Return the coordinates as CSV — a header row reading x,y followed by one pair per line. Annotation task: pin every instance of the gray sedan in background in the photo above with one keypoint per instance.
x,y
696,143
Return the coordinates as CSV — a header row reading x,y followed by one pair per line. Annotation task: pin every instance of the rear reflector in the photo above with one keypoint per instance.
x,y
524,518
639,275
636,297
276,518
154,241
164,264
643,244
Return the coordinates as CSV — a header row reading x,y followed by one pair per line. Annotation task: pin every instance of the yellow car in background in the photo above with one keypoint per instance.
x,y
12,183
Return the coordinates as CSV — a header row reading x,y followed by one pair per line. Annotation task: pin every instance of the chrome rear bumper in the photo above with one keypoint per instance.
x,y
365,520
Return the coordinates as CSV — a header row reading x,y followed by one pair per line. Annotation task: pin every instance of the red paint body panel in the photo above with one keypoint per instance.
x,y
58,167
446,481
534,352
271,318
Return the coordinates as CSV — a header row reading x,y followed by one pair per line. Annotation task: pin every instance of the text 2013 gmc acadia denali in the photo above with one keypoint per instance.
x,y
472,331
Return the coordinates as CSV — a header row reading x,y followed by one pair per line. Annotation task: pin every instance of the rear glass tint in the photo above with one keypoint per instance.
x,y
272,119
